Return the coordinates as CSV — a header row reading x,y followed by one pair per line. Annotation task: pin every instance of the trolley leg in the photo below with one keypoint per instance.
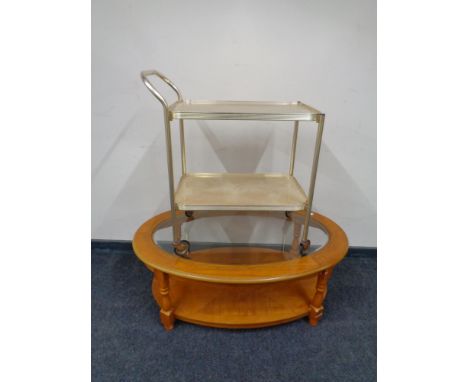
x,y
181,247
182,146
166,313
170,171
178,230
305,243
293,149
316,306
296,237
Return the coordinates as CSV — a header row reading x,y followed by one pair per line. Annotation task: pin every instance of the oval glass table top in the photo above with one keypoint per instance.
x,y
233,247
241,237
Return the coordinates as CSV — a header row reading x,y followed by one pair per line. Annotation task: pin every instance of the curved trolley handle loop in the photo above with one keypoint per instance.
x,y
179,245
144,76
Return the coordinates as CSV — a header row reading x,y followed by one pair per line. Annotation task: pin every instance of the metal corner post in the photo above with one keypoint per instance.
x,y
293,148
170,172
318,141
182,146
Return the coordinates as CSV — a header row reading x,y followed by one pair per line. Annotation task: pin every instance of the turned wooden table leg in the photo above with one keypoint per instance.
x,y
316,306
167,310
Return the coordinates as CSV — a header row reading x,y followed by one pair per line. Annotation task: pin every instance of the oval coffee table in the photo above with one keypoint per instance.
x,y
244,269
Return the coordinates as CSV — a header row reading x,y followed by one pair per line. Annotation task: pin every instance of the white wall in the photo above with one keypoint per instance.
x,y
320,52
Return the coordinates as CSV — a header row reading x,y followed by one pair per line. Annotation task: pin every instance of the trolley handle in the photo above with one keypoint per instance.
x,y
144,76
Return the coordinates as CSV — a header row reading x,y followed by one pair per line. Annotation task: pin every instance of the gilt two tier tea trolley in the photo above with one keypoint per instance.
x,y
226,281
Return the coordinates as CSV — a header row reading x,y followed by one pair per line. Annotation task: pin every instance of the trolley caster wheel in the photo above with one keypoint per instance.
x,y
304,247
182,248
288,215
189,215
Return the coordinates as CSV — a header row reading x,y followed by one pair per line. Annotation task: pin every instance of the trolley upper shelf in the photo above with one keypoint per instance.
x,y
243,110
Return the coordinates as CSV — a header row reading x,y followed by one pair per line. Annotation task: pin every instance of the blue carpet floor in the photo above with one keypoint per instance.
x,y
129,344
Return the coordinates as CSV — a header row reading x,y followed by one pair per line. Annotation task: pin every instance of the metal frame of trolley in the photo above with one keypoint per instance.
x,y
233,110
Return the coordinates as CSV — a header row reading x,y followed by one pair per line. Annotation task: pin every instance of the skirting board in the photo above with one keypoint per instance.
x,y
126,246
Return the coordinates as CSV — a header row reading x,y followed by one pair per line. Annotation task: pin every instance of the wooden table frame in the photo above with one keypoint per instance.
x,y
239,296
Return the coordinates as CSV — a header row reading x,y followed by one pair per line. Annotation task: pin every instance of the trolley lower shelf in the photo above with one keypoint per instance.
x,y
230,191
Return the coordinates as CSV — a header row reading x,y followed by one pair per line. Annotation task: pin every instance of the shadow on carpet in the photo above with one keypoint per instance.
x,y
129,344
